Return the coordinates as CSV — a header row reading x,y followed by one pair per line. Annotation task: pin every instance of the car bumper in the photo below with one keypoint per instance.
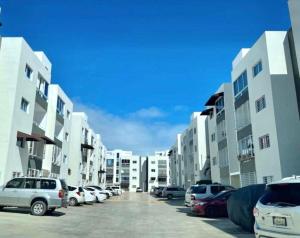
x,y
57,203
198,210
260,233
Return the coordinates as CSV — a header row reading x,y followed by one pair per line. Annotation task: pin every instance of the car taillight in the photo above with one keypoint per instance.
x,y
78,193
255,212
61,193
193,197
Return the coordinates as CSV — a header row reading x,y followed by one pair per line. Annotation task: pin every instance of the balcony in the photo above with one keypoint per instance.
x,y
41,99
249,155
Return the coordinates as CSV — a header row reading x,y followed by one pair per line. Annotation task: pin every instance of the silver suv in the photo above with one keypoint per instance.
x,y
173,192
41,195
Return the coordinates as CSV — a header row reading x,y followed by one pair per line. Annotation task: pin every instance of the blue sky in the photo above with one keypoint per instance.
x,y
140,67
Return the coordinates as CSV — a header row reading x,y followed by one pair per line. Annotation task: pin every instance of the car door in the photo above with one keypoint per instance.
x,y
9,196
28,192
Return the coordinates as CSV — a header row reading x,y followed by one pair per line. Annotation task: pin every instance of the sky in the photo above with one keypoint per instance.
x,y
139,68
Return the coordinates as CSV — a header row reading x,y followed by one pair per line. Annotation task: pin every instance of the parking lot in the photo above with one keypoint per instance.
x,y
130,215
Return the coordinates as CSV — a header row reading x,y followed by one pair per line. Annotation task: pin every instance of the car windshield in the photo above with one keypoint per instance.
x,y
282,195
223,194
198,189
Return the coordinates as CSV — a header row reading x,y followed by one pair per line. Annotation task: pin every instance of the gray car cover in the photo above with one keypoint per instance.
x,y
241,203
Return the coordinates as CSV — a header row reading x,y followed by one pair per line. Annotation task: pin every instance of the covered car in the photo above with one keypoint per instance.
x,y
241,203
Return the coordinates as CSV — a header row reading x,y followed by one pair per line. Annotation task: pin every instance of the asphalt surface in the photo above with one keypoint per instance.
x,y
132,215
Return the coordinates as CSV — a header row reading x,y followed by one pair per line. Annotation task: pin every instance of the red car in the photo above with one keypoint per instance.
x,y
214,206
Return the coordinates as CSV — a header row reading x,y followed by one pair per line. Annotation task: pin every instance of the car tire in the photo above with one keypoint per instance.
x,y
38,208
211,212
73,202
169,196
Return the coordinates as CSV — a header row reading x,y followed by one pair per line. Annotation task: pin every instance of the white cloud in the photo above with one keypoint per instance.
x,y
133,132
151,112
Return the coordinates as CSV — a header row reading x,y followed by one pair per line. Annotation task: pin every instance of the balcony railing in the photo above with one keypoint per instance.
x,y
34,172
246,156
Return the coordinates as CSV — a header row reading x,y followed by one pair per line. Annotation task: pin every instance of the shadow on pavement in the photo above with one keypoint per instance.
x,y
225,225
27,211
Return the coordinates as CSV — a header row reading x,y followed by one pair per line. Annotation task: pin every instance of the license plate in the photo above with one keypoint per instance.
x,y
279,221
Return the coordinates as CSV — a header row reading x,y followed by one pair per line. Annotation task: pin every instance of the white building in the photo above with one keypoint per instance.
x,y
134,175
83,147
224,164
24,81
266,110
59,121
158,169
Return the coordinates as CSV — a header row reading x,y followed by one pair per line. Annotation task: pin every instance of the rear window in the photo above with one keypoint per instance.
x,y
217,189
89,189
71,188
80,189
282,195
47,184
172,189
198,189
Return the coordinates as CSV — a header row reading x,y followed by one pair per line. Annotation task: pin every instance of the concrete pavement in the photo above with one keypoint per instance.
x,y
132,215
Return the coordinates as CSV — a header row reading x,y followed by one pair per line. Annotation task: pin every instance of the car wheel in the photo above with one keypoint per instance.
x,y
210,212
73,202
38,208
169,196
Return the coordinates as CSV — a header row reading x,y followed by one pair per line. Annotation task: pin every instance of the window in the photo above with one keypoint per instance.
x,y
214,161
117,171
242,116
245,146
260,104
30,183
267,179
133,186
264,142
117,180
60,106
219,104
198,189
134,178
257,69
67,136
152,162
153,178
196,148
134,170
20,142
213,137
16,183
134,161
195,130
42,86
47,184
28,72
16,174
240,84
24,105
70,188
65,159
152,170
216,189
110,162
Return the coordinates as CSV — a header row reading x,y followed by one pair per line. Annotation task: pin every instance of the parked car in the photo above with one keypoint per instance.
x,y
173,192
100,197
241,203
41,195
89,196
118,189
158,191
139,190
202,191
277,213
213,206
103,191
75,195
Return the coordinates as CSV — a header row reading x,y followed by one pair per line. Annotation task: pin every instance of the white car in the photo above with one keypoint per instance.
x,y
75,195
100,197
117,189
277,213
89,196
203,191
106,192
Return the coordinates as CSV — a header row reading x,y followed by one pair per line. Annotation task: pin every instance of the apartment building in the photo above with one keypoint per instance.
x,y
266,110
118,164
176,163
24,83
224,165
158,169
195,150
134,174
59,113
86,163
